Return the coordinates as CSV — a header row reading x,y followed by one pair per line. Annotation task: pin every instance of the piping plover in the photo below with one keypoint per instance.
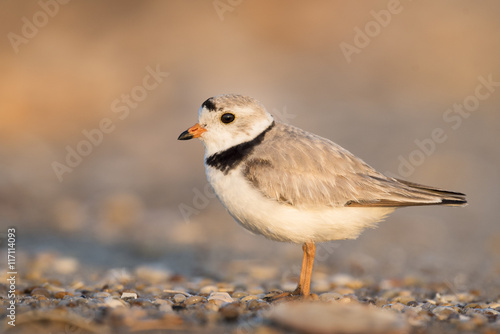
x,y
291,185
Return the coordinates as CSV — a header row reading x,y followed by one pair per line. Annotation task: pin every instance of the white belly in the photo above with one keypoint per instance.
x,y
283,222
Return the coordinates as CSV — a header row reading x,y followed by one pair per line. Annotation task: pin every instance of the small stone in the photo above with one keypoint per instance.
x,y
220,298
465,297
129,295
239,294
101,294
178,298
165,308
403,299
231,311
208,289
381,302
248,298
40,292
398,307
62,294
194,300
444,312
389,294
113,302
158,301
472,305
170,293
211,305
70,302
52,288
330,296
255,305
142,302
355,284
494,305
348,299
412,311
225,287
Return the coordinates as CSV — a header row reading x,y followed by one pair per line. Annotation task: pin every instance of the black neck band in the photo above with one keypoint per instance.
x,y
233,156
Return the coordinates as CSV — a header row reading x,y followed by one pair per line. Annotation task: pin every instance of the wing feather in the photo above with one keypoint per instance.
x,y
295,167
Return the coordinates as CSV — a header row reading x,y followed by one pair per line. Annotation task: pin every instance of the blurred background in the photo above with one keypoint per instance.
x,y
94,94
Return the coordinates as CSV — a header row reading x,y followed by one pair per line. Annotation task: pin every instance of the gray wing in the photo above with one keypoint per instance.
x,y
298,168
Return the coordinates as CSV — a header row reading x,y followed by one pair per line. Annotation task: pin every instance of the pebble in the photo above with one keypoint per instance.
x,y
62,294
54,288
159,301
231,311
102,294
239,294
403,299
40,292
250,297
113,302
494,305
397,307
444,312
150,298
212,305
129,295
194,300
175,292
225,287
220,298
208,289
179,298
348,299
167,308
255,305
330,296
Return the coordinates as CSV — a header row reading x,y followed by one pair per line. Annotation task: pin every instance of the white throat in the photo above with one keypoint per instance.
x,y
220,141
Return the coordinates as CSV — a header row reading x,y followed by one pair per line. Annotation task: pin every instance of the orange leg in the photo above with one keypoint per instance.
x,y
304,286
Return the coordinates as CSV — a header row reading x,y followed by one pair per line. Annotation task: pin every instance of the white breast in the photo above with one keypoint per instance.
x,y
283,222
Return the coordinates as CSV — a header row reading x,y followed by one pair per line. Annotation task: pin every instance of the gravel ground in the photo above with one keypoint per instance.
x,y
153,299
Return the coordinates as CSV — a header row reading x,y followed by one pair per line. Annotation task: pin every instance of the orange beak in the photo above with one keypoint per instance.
x,y
193,132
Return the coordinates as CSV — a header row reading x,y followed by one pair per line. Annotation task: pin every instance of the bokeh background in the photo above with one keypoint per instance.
x,y
140,196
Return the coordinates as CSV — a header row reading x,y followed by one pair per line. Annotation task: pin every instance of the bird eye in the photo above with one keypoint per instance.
x,y
227,118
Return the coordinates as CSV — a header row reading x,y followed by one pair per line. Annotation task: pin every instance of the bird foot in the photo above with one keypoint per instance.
x,y
284,296
289,296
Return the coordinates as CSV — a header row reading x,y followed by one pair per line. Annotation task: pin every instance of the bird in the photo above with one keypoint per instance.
x,y
289,185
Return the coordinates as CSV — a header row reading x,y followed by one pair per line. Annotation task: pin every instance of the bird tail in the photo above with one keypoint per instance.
x,y
403,193
443,197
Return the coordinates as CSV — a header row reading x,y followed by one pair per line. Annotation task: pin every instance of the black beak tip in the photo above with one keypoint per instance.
x,y
185,136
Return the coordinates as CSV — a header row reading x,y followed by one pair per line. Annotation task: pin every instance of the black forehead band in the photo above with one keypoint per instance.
x,y
209,105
